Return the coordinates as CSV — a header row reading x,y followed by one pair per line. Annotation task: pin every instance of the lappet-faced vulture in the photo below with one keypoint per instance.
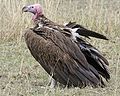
x,y
64,55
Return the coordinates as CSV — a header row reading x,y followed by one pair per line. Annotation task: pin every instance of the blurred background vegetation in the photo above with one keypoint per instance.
x,y
21,76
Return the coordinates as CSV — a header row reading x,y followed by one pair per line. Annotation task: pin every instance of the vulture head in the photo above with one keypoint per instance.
x,y
36,9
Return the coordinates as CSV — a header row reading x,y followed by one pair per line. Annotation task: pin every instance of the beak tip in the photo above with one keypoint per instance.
x,y
24,9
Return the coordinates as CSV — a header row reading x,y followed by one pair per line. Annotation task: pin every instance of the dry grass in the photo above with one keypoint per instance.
x,y
21,76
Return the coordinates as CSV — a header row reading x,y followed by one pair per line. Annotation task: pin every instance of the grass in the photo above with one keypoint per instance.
x,y
21,75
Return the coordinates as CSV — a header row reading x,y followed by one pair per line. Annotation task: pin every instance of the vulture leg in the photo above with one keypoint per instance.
x,y
52,82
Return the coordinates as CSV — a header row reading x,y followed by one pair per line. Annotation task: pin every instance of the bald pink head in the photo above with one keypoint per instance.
x,y
36,9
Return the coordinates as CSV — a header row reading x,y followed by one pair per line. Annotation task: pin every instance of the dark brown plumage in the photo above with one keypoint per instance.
x,y
67,58
61,58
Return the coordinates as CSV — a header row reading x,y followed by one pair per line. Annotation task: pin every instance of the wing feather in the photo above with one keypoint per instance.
x,y
85,32
61,58
95,58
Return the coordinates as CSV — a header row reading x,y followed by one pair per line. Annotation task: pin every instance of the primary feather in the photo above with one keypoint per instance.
x,y
85,32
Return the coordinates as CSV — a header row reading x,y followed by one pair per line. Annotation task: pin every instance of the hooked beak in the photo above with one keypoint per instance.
x,y
25,9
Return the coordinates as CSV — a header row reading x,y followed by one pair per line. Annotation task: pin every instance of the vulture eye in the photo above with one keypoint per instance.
x,y
32,7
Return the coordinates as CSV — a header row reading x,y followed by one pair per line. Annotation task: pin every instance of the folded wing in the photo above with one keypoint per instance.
x,y
62,58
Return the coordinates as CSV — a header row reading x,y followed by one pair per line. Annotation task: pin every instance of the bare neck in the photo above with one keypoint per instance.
x,y
44,20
